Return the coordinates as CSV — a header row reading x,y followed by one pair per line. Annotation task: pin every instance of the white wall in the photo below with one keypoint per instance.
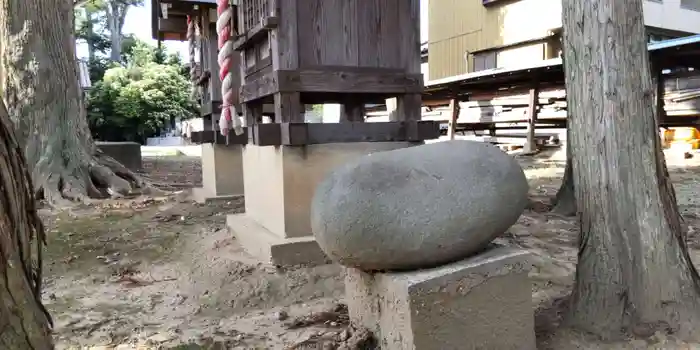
x,y
166,141
423,20
331,113
669,15
518,24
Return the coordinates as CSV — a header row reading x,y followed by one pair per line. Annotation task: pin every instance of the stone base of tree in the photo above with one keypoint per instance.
x,y
482,302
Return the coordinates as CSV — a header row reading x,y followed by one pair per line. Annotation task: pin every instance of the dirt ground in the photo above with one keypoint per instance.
x,y
150,273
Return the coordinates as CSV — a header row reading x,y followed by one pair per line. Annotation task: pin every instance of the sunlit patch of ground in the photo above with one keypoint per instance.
x,y
163,272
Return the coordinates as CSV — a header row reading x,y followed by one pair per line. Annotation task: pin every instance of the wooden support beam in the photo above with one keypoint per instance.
x,y
352,111
252,112
213,136
288,107
531,145
266,134
299,134
454,115
408,107
346,81
349,80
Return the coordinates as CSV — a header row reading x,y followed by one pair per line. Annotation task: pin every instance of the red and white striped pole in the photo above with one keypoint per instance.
x,y
191,36
224,30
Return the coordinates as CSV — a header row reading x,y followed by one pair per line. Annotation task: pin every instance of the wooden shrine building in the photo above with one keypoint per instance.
x,y
290,54
170,21
351,52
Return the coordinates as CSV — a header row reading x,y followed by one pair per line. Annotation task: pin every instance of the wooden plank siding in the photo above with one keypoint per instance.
x,y
459,27
359,33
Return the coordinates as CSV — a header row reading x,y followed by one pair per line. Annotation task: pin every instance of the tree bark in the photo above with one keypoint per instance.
x,y
43,97
90,24
634,273
24,321
116,16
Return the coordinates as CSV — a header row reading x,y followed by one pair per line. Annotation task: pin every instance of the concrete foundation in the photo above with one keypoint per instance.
x,y
222,173
279,185
483,302
126,153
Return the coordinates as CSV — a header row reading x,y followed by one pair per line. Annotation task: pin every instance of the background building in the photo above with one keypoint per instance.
x,y
472,35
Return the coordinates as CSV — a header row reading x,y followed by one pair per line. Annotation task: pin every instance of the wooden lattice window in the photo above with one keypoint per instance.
x,y
253,12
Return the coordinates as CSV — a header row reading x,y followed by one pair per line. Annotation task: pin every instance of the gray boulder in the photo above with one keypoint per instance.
x,y
417,207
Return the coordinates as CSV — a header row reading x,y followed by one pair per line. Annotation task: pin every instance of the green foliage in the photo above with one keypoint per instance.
x,y
135,101
97,68
96,19
140,91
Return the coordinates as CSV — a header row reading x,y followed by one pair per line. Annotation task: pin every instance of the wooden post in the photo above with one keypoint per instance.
x,y
352,110
288,107
408,107
454,115
530,145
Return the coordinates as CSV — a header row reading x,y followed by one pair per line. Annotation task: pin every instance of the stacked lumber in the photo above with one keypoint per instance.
x,y
682,94
502,108
681,99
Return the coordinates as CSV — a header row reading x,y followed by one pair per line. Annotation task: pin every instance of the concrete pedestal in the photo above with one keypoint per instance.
x,y
483,302
222,173
126,153
279,185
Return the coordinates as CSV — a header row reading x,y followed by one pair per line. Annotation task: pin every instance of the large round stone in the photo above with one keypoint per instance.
x,y
417,207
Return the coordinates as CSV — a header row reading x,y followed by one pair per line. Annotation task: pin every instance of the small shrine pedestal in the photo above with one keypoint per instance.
x,y
279,186
482,302
414,228
222,173
297,53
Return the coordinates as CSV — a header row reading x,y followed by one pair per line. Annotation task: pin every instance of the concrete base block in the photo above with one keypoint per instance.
x,y
483,302
202,196
222,171
126,153
271,248
279,186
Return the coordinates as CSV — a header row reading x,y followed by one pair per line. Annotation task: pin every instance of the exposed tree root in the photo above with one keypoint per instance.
x,y
564,203
100,177
45,103
351,338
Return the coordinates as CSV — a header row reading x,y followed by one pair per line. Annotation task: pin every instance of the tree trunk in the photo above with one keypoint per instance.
x,y
44,101
634,273
565,200
25,322
116,15
90,34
